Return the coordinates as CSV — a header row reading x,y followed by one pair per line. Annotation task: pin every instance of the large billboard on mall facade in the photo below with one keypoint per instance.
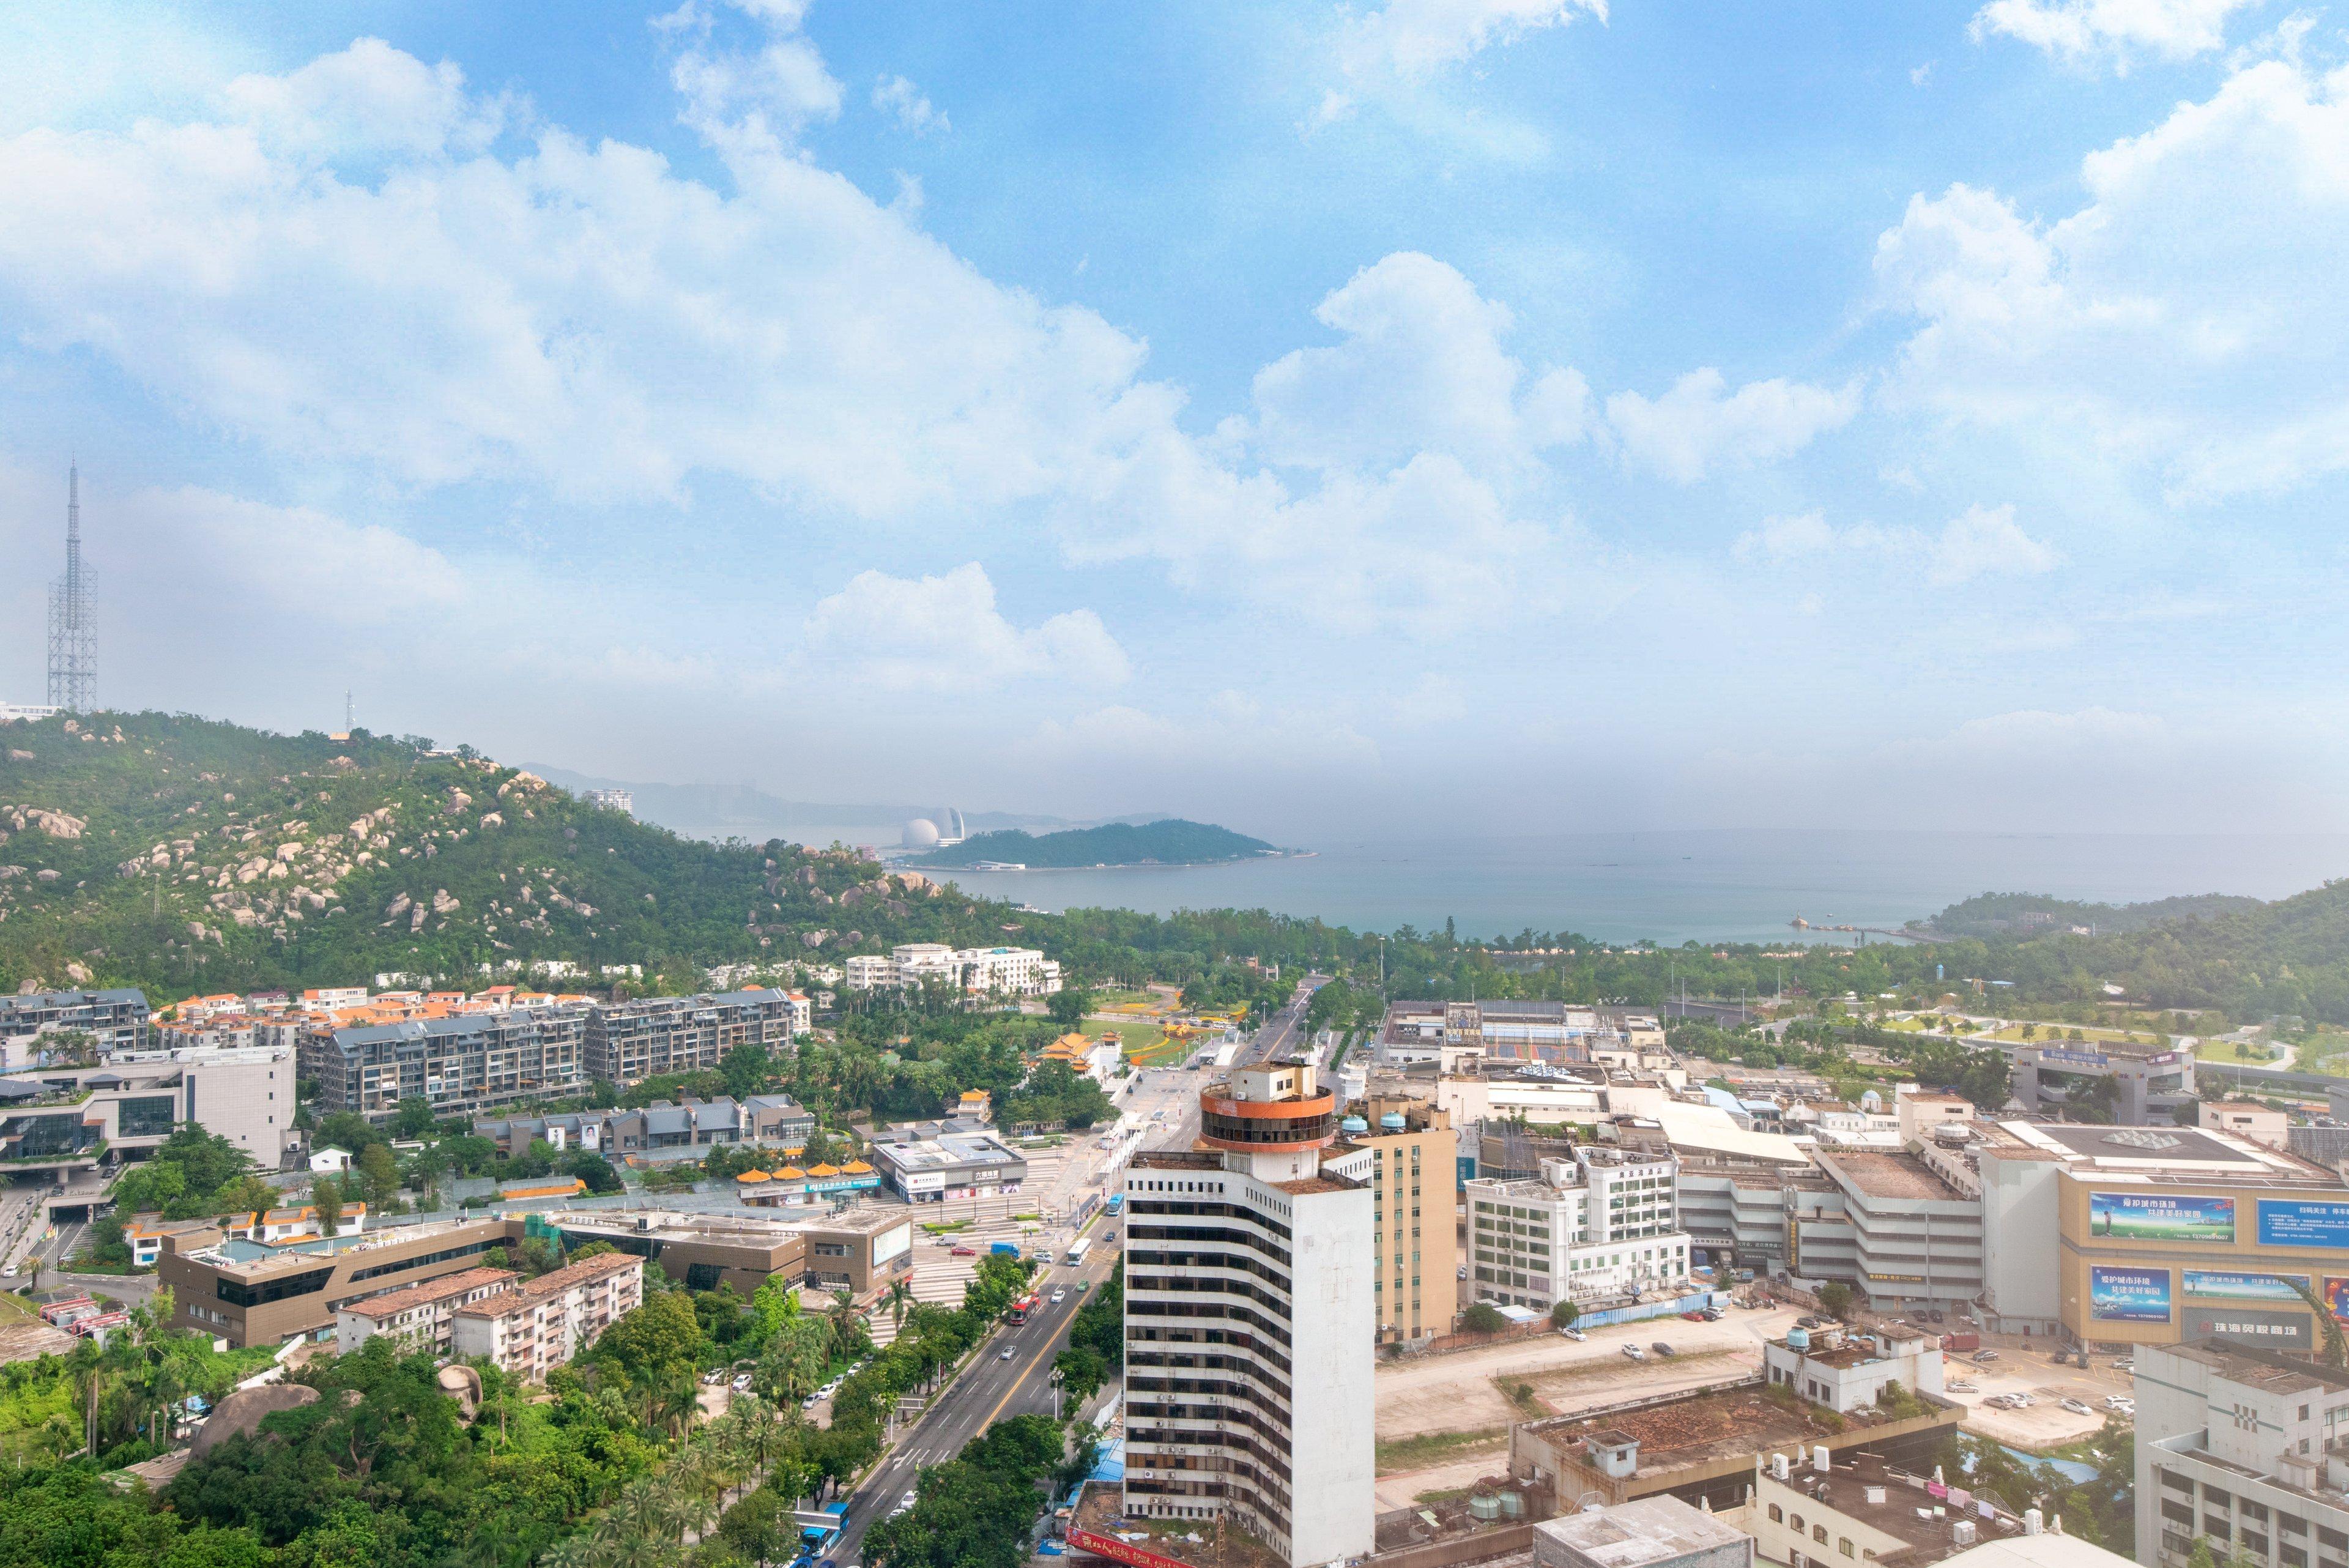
x,y
2221,1285
2128,1295
2162,1217
2304,1222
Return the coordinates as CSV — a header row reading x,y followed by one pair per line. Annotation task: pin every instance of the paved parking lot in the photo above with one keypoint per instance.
x,y
2046,1422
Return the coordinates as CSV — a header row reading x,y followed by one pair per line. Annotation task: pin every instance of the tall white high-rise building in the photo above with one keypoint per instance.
x,y
1250,1316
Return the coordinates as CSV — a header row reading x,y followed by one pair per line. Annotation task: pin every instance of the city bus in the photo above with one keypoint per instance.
x,y
1116,1203
1077,1250
1019,1311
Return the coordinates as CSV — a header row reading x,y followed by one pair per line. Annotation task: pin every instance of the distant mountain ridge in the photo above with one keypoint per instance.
x,y
1170,841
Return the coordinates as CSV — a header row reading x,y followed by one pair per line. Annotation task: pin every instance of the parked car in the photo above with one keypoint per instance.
x,y
1660,1348
1985,1358
2126,1363
742,1383
2077,1407
1574,1333
2117,1401
1635,1353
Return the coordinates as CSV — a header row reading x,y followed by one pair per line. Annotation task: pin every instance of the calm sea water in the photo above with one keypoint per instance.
x,y
1720,885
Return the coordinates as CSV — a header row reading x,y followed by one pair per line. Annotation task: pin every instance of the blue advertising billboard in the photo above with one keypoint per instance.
x,y
2304,1222
2221,1285
2162,1217
2128,1295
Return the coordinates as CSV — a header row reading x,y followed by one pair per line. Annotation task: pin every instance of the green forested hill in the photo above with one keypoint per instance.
x,y
2022,914
177,853
1171,842
2257,959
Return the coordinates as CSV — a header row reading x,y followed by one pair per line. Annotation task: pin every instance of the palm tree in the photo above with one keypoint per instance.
x,y
573,1551
641,1552
695,1478
640,1512
87,1371
899,1301
679,1403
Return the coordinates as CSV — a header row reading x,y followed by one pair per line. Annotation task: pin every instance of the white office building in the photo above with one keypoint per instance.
x,y
1601,1226
2246,1449
985,971
1249,1324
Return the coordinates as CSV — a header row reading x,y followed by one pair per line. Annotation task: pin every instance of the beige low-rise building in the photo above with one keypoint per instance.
x,y
530,1329
418,1317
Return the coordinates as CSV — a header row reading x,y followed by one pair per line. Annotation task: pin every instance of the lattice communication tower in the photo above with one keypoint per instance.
x,y
73,634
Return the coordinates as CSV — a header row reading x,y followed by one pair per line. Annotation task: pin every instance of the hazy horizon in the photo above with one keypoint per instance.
x,y
1493,417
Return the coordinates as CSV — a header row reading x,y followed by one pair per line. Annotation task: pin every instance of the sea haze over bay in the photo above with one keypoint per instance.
x,y
1719,886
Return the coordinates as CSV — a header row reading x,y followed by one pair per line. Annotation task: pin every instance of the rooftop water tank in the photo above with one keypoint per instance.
x,y
1392,1121
1485,1508
1353,1124
1798,1339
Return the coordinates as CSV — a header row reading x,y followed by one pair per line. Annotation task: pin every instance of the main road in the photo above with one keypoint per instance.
x,y
989,1390
1284,1028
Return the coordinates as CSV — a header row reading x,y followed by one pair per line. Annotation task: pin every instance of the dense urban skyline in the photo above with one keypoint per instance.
x,y
1866,409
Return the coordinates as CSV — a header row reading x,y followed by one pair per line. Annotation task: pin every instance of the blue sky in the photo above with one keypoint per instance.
x,y
1621,414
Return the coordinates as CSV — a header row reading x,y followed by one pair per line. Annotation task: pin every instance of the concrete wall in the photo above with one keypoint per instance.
x,y
2021,1237
1332,1406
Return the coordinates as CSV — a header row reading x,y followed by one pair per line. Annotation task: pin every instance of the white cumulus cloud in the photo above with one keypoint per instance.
x,y
757,93
946,633
1700,425
904,102
1422,368
1417,35
576,316
2192,317
1981,542
2119,29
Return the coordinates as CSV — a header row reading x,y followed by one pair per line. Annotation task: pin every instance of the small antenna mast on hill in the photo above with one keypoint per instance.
x,y
346,710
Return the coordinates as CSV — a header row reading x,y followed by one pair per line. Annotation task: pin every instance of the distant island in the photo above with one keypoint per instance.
x,y
1171,842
